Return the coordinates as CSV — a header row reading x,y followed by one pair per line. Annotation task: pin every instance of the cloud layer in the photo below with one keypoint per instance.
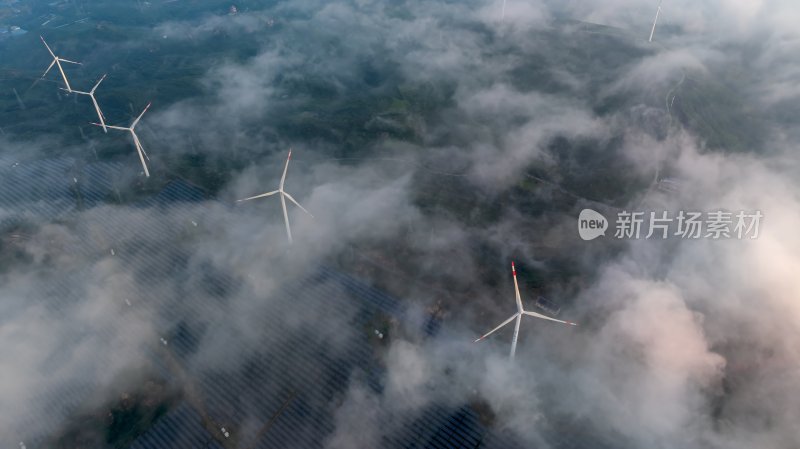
x,y
434,143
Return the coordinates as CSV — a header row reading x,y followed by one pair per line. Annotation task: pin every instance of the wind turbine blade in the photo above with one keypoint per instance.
x,y
48,69
545,317
75,91
503,15
258,196
286,218
516,288
64,75
48,47
99,114
139,144
142,154
110,126
98,83
67,60
297,204
653,30
285,169
498,327
140,115
516,336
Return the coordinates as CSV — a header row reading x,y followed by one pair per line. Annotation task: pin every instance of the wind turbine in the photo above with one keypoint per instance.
x,y
283,195
653,30
503,14
518,316
136,142
57,61
94,100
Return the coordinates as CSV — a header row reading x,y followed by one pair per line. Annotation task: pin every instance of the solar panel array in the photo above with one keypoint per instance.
x,y
49,198
181,428
287,368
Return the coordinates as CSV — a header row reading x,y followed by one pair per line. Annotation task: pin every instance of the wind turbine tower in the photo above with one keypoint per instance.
x,y
94,101
57,62
518,316
131,129
283,195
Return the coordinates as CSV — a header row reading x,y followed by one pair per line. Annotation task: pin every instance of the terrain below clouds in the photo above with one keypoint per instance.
x,y
434,143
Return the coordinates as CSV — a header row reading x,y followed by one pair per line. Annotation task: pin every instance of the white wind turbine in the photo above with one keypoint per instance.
x,y
283,195
57,61
520,312
136,142
94,100
653,30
